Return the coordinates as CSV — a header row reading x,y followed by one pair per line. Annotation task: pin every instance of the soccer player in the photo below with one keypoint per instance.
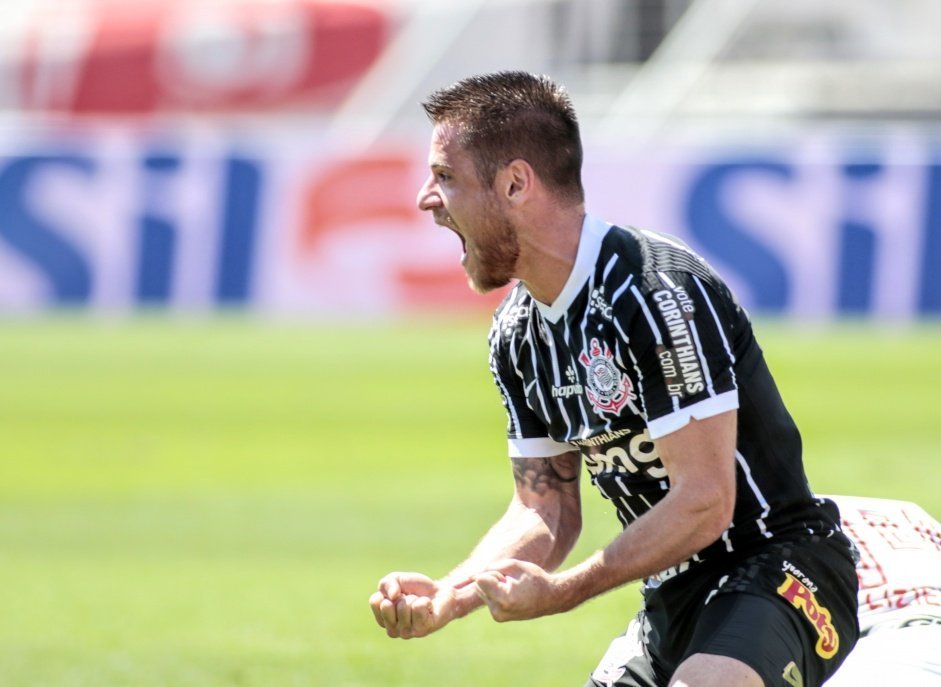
x,y
621,348
899,594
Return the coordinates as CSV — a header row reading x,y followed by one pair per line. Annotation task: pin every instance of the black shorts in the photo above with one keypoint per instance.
x,y
788,612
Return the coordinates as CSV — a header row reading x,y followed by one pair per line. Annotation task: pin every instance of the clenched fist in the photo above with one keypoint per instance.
x,y
411,605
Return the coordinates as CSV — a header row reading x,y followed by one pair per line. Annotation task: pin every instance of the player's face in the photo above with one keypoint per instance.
x,y
459,201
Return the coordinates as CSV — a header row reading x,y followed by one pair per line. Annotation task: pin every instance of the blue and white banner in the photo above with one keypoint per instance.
x,y
283,222
812,227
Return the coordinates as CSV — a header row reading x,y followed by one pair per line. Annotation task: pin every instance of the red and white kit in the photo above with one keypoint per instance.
x,y
899,594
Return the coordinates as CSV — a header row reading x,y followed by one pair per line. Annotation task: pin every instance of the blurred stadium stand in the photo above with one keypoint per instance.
x,y
853,59
192,153
715,61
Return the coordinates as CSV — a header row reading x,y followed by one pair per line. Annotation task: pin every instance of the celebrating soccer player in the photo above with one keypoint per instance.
x,y
621,348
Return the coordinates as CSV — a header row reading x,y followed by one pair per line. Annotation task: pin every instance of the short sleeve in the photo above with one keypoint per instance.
x,y
681,341
527,434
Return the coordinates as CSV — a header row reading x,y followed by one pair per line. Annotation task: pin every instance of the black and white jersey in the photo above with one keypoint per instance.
x,y
643,337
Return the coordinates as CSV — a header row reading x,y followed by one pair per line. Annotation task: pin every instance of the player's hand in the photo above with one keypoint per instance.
x,y
517,590
411,605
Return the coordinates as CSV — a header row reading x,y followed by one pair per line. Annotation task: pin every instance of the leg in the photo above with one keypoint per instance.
x,y
625,664
745,639
706,670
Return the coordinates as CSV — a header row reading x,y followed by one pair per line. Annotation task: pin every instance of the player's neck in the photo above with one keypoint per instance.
x,y
548,249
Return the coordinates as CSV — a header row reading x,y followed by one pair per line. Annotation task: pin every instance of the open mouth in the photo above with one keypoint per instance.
x,y
446,221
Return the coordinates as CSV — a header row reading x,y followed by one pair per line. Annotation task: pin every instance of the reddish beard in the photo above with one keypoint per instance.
x,y
495,257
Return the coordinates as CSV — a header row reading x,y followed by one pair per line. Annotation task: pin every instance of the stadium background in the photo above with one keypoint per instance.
x,y
243,378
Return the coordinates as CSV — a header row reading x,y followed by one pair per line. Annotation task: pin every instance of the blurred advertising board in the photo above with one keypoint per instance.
x,y
814,225
142,58
279,220
278,223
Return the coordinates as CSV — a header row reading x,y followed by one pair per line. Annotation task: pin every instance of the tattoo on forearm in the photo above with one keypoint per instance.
x,y
541,474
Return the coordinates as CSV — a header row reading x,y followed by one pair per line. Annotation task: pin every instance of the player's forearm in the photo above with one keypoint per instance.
x,y
523,534
667,535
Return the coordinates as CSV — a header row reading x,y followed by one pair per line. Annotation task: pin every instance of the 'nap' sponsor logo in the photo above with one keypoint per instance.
x,y
801,598
608,388
570,389
680,362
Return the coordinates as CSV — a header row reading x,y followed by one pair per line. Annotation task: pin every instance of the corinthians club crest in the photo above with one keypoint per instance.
x,y
608,389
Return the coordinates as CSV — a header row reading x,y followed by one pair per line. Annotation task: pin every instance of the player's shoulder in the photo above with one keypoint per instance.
x,y
511,316
670,267
650,254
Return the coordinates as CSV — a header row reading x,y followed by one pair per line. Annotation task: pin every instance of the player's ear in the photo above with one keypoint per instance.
x,y
517,180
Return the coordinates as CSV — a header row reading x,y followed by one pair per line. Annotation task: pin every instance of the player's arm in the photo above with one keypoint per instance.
x,y
542,522
700,460
540,525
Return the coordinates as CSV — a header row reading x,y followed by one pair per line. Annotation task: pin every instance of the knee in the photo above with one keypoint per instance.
x,y
708,670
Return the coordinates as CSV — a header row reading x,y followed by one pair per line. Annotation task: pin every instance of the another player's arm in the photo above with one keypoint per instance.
x,y
541,525
700,460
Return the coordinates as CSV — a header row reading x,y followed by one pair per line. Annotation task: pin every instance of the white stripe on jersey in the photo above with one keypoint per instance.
x,y
584,330
586,423
623,500
669,282
623,487
766,508
510,302
654,236
699,350
656,333
528,338
702,358
617,349
557,380
620,361
725,538
514,356
514,427
647,314
715,317
623,334
608,267
640,380
621,288
707,407
538,447
573,363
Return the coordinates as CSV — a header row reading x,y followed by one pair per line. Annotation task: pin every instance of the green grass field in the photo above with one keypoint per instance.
x,y
211,503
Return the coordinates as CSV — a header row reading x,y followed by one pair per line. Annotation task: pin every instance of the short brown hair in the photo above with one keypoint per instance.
x,y
509,115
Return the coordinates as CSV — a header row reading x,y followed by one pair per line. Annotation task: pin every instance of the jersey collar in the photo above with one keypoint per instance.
x,y
589,248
